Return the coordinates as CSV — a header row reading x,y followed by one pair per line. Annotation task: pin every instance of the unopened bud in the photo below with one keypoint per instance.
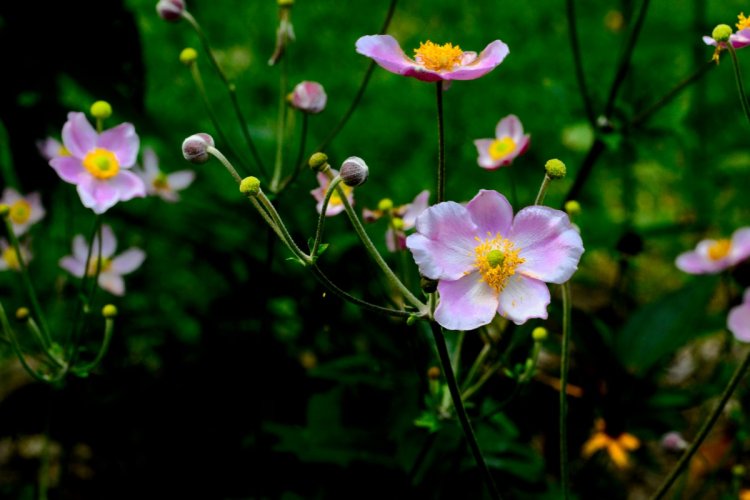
x,y
170,10
188,56
250,186
318,162
309,97
555,169
572,207
721,33
539,334
109,311
354,171
22,314
397,223
101,110
433,373
195,148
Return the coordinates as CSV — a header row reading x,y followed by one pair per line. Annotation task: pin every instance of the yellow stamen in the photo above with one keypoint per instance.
x,y
335,198
103,267
744,22
499,148
438,57
101,163
719,249
496,260
20,211
11,258
161,182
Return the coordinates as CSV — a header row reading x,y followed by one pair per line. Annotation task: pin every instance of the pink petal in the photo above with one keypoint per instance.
x,y
709,41
523,298
78,135
548,242
128,261
485,160
415,209
48,148
443,246
113,283
740,39
738,322
97,195
395,240
740,249
80,248
510,126
491,212
10,196
489,58
123,142
466,303
128,185
109,242
387,53
691,262
180,180
68,168
73,266
150,162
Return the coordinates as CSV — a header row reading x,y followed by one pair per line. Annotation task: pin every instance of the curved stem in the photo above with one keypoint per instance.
x,y
321,219
83,305
300,162
543,190
108,330
227,164
17,348
450,379
578,62
441,143
468,393
567,305
738,79
739,373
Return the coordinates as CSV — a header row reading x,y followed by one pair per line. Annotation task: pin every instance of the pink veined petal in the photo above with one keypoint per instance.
x,y
113,283
128,185
97,195
68,168
510,126
128,261
483,149
150,162
523,298
78,135
180,180
491,212
548,243
740,39
123,142
466,303
740,249
738,322
415,209
488,59
73,266
443,246
386,52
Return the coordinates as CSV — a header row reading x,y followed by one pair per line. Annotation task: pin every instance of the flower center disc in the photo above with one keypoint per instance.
x,y
160,182
720,249
438,57
103,267
496,260
101,163
499,148
11,258
335,198
20,212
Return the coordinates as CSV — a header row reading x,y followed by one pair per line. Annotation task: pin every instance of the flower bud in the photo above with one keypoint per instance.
x,y
385,204
22,314
433,373
397,223
673,442
318,162
354,171
572,208
555,169
188,56
250,186
539,334
101,110
109,311
721,33
309,97
170,10
4,210
195,148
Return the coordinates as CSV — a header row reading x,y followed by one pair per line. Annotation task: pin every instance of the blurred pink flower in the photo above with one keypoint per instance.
x,y
309,97
432,62
738,40
160,184
738,320
51,148
111,269
713,256
9,257
98,163
488,262
403,218
508,143
335,204
24,210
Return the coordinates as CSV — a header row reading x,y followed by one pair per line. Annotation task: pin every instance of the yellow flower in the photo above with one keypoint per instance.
x,y
618,447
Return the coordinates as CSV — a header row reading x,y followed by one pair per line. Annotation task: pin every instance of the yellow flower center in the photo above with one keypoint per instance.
x,y
11,258
438,57
335,198
501,147
719,249
160,182
103,267
744,22
63,151
20,212
101,163
496,260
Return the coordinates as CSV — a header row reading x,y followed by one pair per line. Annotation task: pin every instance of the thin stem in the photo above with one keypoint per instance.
x,y
17,348
578,62
441,143
108,330
36,333
450,379
227,164
476,365
321,219
543,190
280,128
739,373
456,362
596,150
567,309
99,125
738,79
484,378
286,237
300,162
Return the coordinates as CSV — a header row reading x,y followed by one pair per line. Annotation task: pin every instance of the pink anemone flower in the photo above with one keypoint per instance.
x,y
508,143
738,320
24,210
488,262
432,62
111,269
714,256
335,204
51,148
9,258
99,163
165,186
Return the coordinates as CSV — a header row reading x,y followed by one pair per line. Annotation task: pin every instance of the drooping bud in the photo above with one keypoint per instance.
x,y
170,10
318,162
555,169
109,311
188,56
250,186
309,97
22,314
195,148
539,334
354,171
101,110
721,33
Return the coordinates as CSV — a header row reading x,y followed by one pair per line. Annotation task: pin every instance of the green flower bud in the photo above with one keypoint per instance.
x,y
539,334
572,207
555,169
109,311
101,110
318,162
385,204
22,314
250,186
721,33
188,56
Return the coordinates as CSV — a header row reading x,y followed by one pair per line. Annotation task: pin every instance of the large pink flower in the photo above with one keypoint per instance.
x,y
335,204
98,163
508,143
24,210
488,262
738,320
111,268
713,256
432,62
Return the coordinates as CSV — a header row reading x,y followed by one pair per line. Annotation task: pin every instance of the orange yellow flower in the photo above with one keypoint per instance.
x,y
618,448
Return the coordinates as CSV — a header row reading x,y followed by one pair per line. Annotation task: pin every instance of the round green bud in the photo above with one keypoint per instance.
x,y
250,186
385,204
495,258
739,470
555,169
4,210
101,110
398,223
721,33
22,314
188,56
572,207
539,334
318,162
109,311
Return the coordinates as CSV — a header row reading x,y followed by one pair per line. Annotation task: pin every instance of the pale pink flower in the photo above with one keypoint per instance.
x,y
335,204
51,148
309,97
488,262
738,320
403,218
160,184
99,163
432,62
111,269
9,258
714,256
24,210
508,143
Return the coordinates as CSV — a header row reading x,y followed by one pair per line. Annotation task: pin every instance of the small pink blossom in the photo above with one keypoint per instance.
x,y
111,269
335,204
714,256
24,210
738,320
738,40
432,62
508,143
309,97
403,218
9,258
160,184
674,442
51,148
99,163
489,262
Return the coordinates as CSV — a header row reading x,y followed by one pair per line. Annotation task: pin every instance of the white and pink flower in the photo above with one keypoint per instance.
x,y
335,204
24,210
51,148
165,186
713,256
309,97
508,143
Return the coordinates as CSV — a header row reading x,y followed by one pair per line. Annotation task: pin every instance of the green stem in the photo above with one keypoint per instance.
x,y
578,62
738,79
280,128
286,237
227,164
36,333
84,304
543,190
321,219
476,365
300,162
567,309
441,143
456,361
88,367
450,379
704,430
17,348
482,380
